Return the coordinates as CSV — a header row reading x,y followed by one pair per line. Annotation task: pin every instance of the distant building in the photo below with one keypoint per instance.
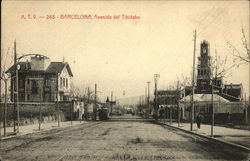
x,y
168,97
168,103
41,80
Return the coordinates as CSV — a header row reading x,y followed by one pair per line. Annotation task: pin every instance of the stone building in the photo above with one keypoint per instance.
x,y
40,80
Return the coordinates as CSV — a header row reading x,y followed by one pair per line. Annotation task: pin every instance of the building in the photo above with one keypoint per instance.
x,y
40,80
231,92
168,103
204,69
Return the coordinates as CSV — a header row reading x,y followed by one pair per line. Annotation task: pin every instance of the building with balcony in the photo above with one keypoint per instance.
x,y
40,80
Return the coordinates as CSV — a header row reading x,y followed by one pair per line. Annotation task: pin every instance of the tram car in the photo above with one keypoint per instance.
x,y
103,113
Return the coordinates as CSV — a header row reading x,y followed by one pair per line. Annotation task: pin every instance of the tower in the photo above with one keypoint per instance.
x,y
204,68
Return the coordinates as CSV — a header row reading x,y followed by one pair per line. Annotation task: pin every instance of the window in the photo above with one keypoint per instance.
x,y
28,97
21,83
60,82
21,97
46,82
34,88
66,83
28,81
63,82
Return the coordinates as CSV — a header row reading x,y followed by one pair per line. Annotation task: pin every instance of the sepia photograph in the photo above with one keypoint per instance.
x,y
154,80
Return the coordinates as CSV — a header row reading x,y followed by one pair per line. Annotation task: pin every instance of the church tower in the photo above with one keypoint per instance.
x,y
204,68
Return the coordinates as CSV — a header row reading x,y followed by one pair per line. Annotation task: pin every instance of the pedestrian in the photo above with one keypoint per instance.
x,y
198,120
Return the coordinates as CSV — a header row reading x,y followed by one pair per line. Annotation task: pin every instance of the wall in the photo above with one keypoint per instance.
x,y
30,112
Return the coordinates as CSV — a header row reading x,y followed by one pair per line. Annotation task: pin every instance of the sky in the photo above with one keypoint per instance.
x,y
123,54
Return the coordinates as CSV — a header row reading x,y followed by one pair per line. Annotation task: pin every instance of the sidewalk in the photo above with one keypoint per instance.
x,y
231,135
28,129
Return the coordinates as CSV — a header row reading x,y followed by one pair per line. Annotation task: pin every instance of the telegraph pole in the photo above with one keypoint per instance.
x,y
87,117
192,108
246,109
148,96
212,123
57,104
111,103
5,108
178,106
14,87
249,91
156,76
95,101
1,120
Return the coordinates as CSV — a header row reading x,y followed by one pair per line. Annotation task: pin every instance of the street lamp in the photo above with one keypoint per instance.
x,y
17,99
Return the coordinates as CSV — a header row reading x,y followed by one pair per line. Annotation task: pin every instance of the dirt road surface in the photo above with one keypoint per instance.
x,y
117,139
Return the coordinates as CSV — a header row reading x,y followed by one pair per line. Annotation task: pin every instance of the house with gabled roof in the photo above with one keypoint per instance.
x,y
40,80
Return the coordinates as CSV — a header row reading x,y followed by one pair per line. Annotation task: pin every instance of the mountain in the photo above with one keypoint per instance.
x,y
132,100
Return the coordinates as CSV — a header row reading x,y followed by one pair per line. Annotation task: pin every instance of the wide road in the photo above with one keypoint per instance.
x,y
117,139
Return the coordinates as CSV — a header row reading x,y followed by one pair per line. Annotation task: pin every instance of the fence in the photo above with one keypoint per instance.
x,y
224,112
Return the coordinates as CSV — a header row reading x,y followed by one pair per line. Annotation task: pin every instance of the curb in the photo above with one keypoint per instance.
x,y
240,147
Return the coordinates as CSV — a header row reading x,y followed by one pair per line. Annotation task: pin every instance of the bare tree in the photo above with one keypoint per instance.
x,y
219,66
241,56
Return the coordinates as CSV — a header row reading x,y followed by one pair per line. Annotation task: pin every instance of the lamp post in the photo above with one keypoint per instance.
x,y
16,88
17,98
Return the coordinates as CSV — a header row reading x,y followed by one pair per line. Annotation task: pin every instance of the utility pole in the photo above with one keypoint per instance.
x,y
212,123
71,111
57,104
192,108
95,102
178,106
87,117
171,106
5,108
40,113
1,120
111,103
248,86
14,88
156,76
148,97
246,109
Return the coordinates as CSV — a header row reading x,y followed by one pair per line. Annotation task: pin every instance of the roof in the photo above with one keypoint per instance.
x,y
204,98
54,67
24,66
57,67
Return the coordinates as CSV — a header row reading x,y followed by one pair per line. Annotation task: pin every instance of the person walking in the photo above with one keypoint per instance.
x,y
198,120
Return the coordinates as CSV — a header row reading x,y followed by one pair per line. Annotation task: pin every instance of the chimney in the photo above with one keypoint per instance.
x,y
39,63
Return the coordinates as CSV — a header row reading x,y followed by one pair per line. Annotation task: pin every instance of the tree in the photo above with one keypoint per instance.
x,y
243,57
